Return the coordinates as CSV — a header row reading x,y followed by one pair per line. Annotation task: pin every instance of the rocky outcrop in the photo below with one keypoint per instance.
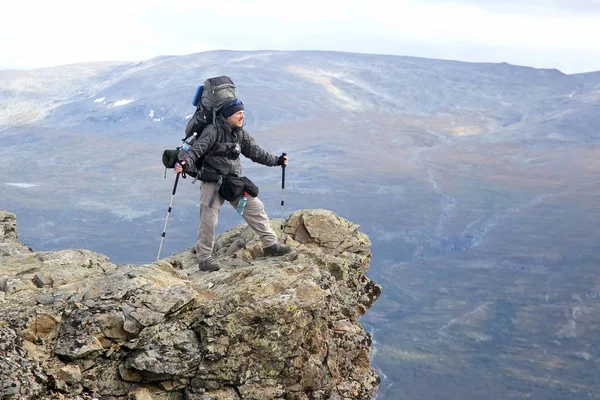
x,y
76,326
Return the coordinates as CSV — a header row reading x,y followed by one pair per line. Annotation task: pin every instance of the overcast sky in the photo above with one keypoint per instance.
x,y
563,34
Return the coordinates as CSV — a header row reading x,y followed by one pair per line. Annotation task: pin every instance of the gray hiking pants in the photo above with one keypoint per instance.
x,y
254,214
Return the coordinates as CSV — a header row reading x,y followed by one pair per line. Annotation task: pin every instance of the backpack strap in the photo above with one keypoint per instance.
x,y
214,195
210,151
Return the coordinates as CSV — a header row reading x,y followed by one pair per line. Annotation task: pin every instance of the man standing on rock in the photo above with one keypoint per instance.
x,y
221,143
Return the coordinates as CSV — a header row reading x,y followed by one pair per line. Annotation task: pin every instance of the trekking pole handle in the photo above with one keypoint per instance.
x,y
182,173
283,172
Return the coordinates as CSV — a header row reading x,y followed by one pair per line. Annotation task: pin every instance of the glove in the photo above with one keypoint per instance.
x,y
280,160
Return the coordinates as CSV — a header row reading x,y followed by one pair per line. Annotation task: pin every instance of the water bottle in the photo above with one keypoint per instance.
x,y
189,142
242,204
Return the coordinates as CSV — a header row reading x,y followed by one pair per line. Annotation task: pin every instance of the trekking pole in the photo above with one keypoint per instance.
x,y
168,214
282,195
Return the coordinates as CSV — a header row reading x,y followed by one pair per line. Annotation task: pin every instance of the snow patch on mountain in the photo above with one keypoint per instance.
x,y
122,102
21,185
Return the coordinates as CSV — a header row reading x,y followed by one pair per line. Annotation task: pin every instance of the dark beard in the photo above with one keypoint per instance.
x,y
233,127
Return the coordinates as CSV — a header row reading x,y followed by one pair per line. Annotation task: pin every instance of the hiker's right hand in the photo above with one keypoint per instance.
x,y
180,166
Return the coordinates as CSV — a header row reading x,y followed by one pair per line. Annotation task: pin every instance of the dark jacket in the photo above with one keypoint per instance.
x,y
222,148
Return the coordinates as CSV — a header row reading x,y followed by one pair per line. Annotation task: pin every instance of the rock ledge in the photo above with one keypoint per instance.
x,y
75,326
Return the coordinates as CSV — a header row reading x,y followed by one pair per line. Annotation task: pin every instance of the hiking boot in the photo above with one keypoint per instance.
x,y
277,250
208,265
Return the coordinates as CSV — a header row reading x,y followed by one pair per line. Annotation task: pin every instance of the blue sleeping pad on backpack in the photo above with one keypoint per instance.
x,y
198,95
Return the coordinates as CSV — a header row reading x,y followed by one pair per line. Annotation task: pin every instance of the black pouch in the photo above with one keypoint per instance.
x,y
250,187
170,158
233,187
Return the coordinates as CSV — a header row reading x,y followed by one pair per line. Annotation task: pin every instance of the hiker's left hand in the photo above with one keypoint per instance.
x,y
283,160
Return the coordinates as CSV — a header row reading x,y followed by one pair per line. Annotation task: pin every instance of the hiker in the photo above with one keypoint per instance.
x,y
222,142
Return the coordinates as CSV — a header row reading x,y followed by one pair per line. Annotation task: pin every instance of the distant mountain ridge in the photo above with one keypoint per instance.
x,y
278,87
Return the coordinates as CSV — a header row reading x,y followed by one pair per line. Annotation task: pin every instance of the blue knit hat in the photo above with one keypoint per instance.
x,y
232,106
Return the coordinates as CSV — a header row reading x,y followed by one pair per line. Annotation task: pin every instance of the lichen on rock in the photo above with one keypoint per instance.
x,y
77,326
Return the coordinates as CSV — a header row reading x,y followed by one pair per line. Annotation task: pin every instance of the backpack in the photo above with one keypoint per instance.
x,y
208,100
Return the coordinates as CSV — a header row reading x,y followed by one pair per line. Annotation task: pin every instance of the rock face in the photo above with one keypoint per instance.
x,y
75,326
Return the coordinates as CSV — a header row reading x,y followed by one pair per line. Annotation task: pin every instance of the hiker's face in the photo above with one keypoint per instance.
x,y
236,120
